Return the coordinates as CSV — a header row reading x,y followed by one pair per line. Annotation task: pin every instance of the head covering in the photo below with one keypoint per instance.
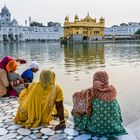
x,y
47,78
11,66
5,61
34,64
101,88
101,76
27,73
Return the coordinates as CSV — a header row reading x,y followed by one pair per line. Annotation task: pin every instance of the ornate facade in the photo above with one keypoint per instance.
x,y
84,30
10,30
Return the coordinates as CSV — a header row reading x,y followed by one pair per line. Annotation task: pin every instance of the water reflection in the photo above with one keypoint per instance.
x,y
40,52
74,59
83,56
123,54
77,57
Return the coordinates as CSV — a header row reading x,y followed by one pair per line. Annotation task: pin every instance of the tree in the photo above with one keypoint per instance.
x,y
36,24
137,32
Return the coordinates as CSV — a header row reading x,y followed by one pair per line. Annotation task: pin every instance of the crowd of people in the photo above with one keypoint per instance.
x,y
95,109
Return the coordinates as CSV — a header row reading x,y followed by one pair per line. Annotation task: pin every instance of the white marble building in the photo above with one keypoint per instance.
x,y
10,30
123,29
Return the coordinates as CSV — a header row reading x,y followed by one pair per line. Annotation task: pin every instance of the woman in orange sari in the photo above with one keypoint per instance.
x,y
37,102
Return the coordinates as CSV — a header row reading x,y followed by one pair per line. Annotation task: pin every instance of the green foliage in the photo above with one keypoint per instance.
x,y
37,24
137,32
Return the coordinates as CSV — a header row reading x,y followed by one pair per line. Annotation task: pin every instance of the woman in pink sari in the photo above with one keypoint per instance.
x,y
4,83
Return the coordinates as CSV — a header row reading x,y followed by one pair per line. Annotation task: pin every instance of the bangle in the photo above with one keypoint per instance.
x,y
17,82
11,83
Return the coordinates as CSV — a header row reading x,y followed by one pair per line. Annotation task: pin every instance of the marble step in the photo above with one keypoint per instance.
x,y
129,136
135,128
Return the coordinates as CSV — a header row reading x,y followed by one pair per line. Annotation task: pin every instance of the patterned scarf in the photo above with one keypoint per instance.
x,y
101,88
82,101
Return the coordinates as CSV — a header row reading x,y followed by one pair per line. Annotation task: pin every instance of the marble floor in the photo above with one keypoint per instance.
x,y
11,131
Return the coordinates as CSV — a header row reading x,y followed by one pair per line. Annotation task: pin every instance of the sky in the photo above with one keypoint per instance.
x,y
115,12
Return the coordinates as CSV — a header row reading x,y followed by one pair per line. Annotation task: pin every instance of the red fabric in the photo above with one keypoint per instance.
x,y
82,102
102,89
5,61
12,92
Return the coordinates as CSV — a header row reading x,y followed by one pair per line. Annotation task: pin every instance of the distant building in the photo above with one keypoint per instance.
x,y
10,30
122,30
84,30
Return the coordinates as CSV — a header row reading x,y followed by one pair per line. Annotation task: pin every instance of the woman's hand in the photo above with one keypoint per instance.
x,y
26,85
21,81
21,61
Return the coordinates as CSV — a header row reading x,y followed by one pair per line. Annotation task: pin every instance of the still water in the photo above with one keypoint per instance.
x,y
75,65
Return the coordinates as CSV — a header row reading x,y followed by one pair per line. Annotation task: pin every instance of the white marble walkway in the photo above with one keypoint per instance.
x,y
10,131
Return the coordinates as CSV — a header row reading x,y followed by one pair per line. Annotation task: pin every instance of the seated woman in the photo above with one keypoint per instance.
x,y
16,82
104,118
4,83
36,107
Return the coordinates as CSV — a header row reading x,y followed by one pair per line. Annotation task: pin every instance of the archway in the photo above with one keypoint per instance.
x,y
11,37
16,37
85,38
5,39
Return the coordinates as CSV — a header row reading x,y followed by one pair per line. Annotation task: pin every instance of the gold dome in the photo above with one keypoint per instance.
x,y
67,18
102,19
76,18
88,18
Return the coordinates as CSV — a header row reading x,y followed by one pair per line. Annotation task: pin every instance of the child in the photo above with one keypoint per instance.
x,y
27,75
14,78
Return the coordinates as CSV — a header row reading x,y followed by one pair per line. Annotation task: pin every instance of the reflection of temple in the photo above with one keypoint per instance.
x,y
84,55
84,30
10,30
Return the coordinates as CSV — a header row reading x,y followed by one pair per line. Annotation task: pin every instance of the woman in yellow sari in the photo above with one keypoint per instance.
x,y
37,102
